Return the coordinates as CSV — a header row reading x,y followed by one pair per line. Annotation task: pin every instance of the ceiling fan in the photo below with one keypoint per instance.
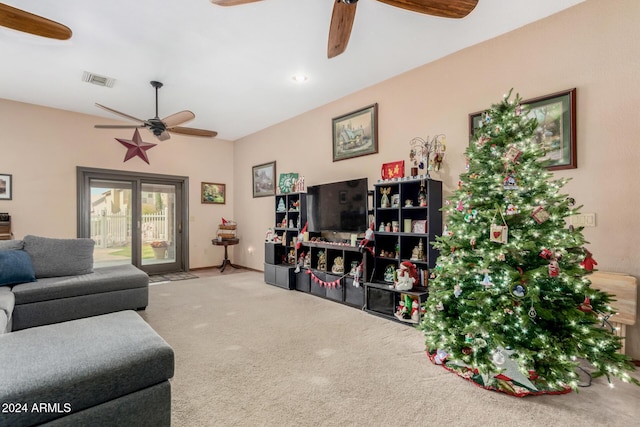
x,y
26,22
160,127
344,12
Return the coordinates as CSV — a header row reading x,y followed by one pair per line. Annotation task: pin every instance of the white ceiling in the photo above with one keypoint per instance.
x,y
231,66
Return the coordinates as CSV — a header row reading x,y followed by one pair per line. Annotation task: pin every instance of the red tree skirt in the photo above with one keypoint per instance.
x,y
506,384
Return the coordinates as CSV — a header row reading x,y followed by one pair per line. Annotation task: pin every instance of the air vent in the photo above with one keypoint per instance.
x,y
97,80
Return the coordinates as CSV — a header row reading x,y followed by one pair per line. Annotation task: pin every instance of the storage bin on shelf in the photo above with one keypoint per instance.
x,y
227,231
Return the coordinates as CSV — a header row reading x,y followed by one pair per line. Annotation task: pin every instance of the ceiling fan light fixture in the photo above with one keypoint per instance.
x,y
97,79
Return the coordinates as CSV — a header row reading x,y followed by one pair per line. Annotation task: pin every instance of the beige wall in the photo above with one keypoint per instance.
x,y
41,148
593,47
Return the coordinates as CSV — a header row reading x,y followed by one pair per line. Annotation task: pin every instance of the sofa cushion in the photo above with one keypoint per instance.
x,y
15,267
59,257
103,279
11,245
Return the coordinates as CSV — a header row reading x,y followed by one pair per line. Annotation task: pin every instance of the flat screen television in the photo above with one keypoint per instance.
x,y
338,206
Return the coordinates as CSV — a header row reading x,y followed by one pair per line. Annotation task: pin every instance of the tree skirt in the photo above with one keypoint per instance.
x,y
503,383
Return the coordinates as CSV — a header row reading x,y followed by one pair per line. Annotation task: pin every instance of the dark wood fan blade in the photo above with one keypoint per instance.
x,y
26,22
232,2
178,118
340,30
440,8
118,126
126,116
193,131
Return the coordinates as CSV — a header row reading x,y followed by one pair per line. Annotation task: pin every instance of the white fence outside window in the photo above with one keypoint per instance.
x,y
114,230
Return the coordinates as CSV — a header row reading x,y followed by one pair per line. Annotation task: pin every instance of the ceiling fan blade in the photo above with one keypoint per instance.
x,y
340,30
178,118
232,2
440,8
126,116
26,22
193,131
118,126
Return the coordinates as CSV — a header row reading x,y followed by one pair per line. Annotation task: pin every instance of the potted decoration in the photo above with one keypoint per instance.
x,y
159,249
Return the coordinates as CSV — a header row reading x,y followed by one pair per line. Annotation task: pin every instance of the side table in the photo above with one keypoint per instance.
x,y
226,243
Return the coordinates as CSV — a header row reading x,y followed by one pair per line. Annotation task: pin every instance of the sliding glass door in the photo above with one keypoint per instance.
x,y
134,218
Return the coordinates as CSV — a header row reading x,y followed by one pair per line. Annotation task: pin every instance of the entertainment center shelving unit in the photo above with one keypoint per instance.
x,y
375,294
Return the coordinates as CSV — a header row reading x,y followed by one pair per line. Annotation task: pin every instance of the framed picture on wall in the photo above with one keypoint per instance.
x,y
556,131
355,134
263,179
6,185
213,193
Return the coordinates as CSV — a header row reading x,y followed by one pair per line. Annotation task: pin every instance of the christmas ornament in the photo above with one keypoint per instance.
x,y
554,268
532,311
540,215
466,350
468,338
457,291
510,182
471,215
546,253
585,306
499,233
440,306
511,209
519,290
136,147
513,154
486,281
588,263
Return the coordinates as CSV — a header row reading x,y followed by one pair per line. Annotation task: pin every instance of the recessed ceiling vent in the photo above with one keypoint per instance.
x,y
97,80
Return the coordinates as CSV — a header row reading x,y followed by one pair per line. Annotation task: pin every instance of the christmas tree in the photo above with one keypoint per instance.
x,y
510,305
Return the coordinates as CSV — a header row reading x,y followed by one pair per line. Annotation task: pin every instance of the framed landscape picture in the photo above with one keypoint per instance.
x,y
213,193
355,134
556,131
263,179
6,184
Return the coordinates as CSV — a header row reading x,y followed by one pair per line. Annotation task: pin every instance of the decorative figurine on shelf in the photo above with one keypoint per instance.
x,y
381,228
307,260
408,203
384,201
415,311
354,268
407,276
389,273
291,259
369,236
338,265
422,195
269,236
295,206
322,261
415,254
281,207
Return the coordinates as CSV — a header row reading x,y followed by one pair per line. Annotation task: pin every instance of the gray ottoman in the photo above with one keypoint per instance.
x,y
105,370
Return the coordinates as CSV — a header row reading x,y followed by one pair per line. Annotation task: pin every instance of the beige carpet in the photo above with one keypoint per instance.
x,y
250,354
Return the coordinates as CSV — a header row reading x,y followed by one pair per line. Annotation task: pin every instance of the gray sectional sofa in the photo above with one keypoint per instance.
x,y
53,280
72,350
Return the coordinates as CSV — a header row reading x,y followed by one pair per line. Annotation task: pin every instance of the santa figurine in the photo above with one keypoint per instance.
x,y
407,276
368,237
301,236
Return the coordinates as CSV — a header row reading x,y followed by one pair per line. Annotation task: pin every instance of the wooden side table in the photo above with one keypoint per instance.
x,y
226,243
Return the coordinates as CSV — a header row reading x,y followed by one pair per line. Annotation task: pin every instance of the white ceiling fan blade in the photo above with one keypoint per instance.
x,y
178,118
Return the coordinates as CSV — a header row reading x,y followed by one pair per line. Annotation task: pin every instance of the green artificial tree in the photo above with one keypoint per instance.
x,y
510,305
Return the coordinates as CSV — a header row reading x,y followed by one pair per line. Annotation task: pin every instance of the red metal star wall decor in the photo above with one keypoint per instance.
x,y
136,147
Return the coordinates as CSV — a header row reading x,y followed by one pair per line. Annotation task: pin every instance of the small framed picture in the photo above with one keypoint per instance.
x,y
6,185
264,179
213,193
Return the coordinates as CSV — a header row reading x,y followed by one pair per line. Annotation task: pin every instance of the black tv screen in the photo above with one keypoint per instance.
x,y
338,206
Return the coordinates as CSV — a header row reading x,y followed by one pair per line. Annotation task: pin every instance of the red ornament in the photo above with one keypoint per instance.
x,y
136,147
588,263
585,307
